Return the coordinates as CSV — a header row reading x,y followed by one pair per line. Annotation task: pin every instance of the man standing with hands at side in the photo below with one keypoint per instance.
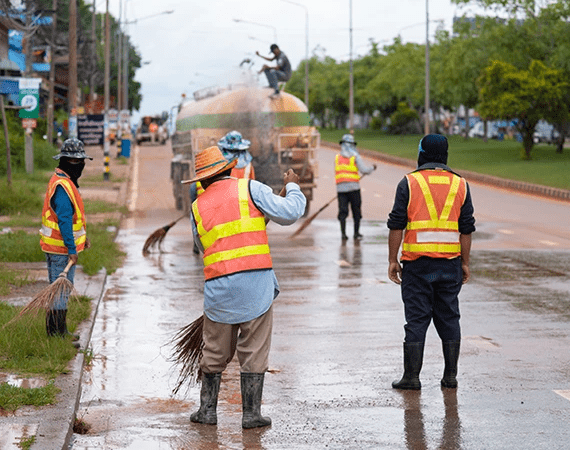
x,y
228,224
433,205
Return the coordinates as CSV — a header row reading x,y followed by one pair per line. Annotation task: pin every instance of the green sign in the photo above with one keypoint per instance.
x,y
29,97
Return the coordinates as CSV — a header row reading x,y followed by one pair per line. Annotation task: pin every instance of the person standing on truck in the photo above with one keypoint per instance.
x,y
228,222
63,234
280,72
348,164
433,205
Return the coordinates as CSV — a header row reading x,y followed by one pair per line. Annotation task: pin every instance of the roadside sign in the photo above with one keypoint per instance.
x,y
29,123
29,96
90,128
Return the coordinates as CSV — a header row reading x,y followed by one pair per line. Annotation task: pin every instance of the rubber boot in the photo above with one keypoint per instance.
x,y
450,356
357,234
413,360
51,323
208,399
343,230
251,393
61,315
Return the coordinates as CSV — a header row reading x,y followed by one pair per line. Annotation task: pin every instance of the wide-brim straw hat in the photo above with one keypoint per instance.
x,y
210,162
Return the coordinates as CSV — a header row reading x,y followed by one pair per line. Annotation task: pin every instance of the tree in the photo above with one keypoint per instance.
x,y
525,95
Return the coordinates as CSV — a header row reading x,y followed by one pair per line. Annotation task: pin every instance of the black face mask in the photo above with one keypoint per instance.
x,y
73,170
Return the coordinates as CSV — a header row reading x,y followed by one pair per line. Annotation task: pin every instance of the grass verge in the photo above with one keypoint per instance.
x,y
497,158
25,349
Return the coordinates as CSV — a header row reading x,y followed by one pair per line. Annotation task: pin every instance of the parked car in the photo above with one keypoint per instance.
x,y
478,130
545,133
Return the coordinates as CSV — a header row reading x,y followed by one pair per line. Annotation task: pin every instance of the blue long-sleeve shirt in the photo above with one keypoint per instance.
x,y
244,296
61,204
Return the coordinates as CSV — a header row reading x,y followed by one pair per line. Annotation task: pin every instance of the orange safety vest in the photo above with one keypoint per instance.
x,y
231,229
244,172
345,169
436,197
51,240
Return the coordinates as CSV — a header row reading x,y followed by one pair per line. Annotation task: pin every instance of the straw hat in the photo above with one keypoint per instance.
x,y
210,162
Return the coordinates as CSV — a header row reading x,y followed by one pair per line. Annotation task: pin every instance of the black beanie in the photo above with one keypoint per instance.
x,y
433,148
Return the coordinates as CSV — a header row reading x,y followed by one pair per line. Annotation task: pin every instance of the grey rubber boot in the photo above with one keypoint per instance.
x,y
413,360
450,356
208,399
251,393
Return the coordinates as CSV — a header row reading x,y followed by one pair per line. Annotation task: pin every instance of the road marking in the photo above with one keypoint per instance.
x,y
506,231
482,342
550,243
565,393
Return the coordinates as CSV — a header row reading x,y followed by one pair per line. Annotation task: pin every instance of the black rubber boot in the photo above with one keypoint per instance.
x,y
251,393
208,399
61,315
357,234
343,230
51,323
450,356
413,360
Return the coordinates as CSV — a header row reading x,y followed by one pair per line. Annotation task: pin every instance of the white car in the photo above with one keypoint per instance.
x,y
479,131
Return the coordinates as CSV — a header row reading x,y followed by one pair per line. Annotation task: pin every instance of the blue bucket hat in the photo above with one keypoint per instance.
x,y
72,148
233,141
348,138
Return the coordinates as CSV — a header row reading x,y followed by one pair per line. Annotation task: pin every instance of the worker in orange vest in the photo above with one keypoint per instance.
x,y
63,234
433,205
228,224
348,166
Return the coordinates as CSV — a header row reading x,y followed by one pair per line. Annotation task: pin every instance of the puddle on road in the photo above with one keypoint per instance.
x,y
27,383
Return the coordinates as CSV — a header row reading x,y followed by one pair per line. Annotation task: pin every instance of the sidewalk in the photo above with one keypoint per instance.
x,y
52,425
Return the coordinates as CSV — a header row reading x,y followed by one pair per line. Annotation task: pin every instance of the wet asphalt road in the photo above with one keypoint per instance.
x,y
338,329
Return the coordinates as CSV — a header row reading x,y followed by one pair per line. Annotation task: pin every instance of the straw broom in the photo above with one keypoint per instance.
x,y
158,236
45,299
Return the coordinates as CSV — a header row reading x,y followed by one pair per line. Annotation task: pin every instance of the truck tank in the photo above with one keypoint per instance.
x,y
279,130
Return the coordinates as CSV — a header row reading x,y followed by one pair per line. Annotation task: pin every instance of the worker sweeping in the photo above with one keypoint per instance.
x,y
63,234
348,164
228,224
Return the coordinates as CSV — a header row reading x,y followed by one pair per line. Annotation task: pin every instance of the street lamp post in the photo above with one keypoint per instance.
x,y
306,49
261,25
351,78
426,123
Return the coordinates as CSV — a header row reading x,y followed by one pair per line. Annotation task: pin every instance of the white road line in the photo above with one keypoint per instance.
x,y
565,393
550,243
506,231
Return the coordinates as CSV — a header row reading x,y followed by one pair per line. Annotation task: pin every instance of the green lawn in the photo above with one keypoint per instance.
x,y
497,158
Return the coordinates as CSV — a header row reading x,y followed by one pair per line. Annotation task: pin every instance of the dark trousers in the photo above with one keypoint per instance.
x,y
430,289
353,199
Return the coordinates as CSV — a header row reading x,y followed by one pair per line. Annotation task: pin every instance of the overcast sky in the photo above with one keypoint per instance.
x,y
200,44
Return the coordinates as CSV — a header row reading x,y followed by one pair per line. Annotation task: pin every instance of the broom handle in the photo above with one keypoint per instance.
x,y
69,264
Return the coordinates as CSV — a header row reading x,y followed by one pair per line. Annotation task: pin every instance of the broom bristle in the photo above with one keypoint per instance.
x,y
46,298
153,239
188,345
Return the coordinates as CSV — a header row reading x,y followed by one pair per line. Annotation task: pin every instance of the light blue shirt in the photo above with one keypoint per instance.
x,y
244,296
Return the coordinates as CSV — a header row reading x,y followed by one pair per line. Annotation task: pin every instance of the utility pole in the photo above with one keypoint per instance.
x,y
426,123
72,94
28,139
106,173
51,99
351,81
94,52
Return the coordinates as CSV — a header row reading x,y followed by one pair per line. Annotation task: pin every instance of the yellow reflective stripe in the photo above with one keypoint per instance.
x,y
348,168
346,175
431,248
198,219
236,253
65,184
437,179
60,243
427,195
243,198
450,200
229,229
423,224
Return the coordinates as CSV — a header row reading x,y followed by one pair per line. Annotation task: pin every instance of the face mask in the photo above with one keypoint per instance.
x,y
73,170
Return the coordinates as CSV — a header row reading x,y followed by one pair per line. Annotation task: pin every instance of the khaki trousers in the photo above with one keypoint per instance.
x,y
251,340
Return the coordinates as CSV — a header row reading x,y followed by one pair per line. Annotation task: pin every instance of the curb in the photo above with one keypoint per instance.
x,y
513,185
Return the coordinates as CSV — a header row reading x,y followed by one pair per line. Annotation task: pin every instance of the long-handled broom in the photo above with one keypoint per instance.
x,y
45,299
308,221
156,238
